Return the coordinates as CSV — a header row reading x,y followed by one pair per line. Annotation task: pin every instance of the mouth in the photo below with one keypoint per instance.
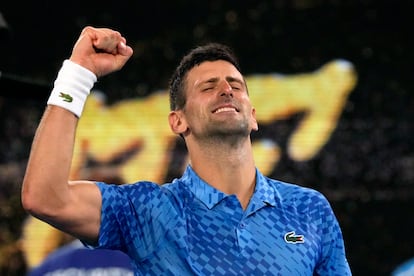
x,y
225,109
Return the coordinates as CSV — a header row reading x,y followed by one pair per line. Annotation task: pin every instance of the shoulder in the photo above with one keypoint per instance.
x,y
127,189
302,198
150,193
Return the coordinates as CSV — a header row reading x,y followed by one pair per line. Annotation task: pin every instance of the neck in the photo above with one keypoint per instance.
x,y
228,167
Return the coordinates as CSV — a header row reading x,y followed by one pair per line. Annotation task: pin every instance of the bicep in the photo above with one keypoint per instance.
x,y
81,217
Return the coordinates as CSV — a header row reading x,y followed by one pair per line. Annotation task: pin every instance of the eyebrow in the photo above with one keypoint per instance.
x,y
232,79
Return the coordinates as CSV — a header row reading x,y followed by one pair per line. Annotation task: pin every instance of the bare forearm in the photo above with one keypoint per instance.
x,y
45,186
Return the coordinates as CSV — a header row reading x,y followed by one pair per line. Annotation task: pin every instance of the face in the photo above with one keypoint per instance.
x,y
217,102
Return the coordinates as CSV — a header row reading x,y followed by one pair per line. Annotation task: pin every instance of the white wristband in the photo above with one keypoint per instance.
x,y
72,86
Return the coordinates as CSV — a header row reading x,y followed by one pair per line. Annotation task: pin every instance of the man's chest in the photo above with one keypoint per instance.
x,y
224,237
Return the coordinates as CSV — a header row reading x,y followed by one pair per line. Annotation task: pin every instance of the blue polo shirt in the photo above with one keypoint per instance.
x,y
187,227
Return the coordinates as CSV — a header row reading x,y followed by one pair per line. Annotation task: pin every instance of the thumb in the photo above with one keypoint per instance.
x,y
124,49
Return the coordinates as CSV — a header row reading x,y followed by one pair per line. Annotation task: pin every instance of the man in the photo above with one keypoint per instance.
x,y
222,217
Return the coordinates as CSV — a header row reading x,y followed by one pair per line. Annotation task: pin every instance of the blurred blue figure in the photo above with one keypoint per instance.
x,y
405,269
76,259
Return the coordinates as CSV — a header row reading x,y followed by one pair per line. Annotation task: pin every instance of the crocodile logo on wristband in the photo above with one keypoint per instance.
x,y
66,97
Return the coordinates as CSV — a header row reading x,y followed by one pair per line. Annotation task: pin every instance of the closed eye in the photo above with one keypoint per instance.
x,y
207,88
235,85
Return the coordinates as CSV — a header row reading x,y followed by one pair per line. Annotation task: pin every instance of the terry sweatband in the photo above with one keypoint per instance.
x,y
71,87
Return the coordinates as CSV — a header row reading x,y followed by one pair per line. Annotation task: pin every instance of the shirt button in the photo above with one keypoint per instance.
x,y
242,225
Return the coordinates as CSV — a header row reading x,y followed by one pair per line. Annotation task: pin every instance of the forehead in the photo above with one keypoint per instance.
x,y
212,69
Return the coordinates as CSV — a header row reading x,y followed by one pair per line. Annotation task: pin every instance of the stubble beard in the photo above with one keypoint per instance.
x,y
226,132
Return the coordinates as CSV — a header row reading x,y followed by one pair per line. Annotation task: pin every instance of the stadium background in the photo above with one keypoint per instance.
x,y
366,169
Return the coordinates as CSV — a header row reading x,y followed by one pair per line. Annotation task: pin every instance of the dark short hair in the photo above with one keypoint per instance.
x,y
208,52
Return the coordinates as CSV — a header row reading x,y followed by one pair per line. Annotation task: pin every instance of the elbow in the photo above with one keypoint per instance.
x,y
28,202
36,207
32,202
42,201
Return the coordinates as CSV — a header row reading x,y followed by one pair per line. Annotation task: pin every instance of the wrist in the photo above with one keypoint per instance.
x,y
72,87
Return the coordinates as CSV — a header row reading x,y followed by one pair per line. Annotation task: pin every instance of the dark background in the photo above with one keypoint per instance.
x,y
367,168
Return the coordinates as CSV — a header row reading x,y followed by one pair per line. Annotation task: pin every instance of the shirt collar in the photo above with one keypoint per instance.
x,y
264,194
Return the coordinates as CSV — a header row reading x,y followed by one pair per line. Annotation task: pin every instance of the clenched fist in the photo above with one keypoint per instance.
x,y
101,50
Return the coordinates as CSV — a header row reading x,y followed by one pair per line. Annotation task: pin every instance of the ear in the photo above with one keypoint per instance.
x,y
255,126
177,122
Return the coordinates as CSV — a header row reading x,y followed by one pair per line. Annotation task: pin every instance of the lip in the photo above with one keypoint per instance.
x,y
225,108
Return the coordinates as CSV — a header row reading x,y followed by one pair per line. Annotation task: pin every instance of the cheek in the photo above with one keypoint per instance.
x,y
193,112
198,107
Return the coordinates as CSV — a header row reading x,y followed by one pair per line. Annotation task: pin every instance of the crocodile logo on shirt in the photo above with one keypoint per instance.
x,y
291,237
66,97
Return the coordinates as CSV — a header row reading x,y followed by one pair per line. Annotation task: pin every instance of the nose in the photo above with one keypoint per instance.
x,y
226,89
